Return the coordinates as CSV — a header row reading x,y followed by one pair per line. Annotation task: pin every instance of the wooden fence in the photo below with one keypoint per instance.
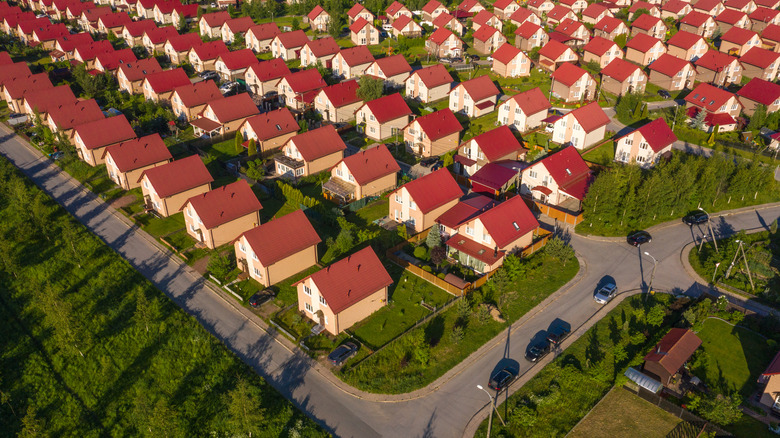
x,y
559,214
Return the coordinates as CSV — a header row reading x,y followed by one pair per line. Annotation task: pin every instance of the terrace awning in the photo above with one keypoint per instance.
x,y
643,380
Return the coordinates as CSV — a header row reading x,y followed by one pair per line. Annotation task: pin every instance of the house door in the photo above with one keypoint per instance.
x,y
244,265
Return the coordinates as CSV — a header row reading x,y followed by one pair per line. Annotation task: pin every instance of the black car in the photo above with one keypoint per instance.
x,y
208,74
474,57
665,94
342,353
538,350
502,378
696,218
639,238
261,297
558,334
428,162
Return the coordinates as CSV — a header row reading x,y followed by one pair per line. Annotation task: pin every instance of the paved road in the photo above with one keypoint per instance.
x,y
445,408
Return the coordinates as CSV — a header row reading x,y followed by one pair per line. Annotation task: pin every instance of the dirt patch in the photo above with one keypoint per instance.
x,y
201,265
124,201
494,312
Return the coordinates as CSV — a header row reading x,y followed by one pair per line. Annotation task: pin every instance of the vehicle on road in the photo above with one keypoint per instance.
x,y
208,74
696,218
558,334
538,350
605,293
261,298
430,161
639,237
503,377
342,353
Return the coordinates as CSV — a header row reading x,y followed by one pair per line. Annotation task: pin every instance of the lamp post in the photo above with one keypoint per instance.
x,y
492,408
715,273
709,226
652,275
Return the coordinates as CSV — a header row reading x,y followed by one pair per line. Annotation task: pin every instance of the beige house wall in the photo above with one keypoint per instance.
x,y
128,180
771,391
222,234
768,74
379,131
276,272
670,83
333,323
171,205
619,88
336,115
400,203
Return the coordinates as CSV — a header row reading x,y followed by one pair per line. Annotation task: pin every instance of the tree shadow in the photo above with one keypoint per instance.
x,y
435,330
593,353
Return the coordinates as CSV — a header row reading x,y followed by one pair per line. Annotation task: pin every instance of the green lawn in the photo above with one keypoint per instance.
x,y
181,240
223,150
373,211
286,293
160,227
749,427
604,154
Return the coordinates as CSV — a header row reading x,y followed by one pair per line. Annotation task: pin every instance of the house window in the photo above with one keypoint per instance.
x,y
306,290
398,198
351,178
640,159
486,237
469,230
146,184
372,118
189,212
532,174
258,273
629,141
338,171
254,256
322,301
412,205
193,228
643,145
308,307
299,172
242,247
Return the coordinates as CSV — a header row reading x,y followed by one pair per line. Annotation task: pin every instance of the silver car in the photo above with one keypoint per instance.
x,y
605,293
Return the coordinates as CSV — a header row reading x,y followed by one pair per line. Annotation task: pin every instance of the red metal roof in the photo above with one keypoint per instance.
x,y
479,88
315,13
265,31
359,24
160,35
761,91
343,93
527,29
498,143
282,237
44,99
232,108
646,22
271,69
112,60
714,60
763,14
215,19
759,57
318,143
89,51
684,40
71,114
709,97
508,221
137,71
187,41
292,40
238,59
103,132
210,50
167,80
568,74
620,69
598,46
70,42
568,170
771,33
137,153
440,35
393,65
356,9
553,49
594,10
240,24
224,204
532,101
18,87
730,16
485,32
608,24
273,124
137,28
642,42
434,4
305,80
506,53
695,18
198,93
394,8
737,35
323,46
388,108
371,164
177,176
668,65
590,116
674,349
439,124
433,190
435,75
465,210
657,134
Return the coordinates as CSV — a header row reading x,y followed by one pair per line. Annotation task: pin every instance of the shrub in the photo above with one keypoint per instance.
x,y
421,253
427,268
457,334
220,266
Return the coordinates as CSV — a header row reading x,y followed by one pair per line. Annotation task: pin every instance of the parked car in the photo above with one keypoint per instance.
x,y
474,57
261,298
503,377
605,293
696,218
229,88
639,238
489,58
17,119
430,161
558,334
342,353
549,128
665,94
538,350
208,74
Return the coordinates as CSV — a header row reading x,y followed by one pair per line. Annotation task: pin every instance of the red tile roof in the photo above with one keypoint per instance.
x,y
282,237
112,60
357,55
765,15
657,134
388,108
569,27
359,24
714,60
619,69
643,42
467,5
318,143
12,20
684,40
323,46
709,97
641,5
532,101
116,19
498,143
527,29
224,204
232,108
177,176
160,35
668,65
394,8
737,35
187,41
269,70
71,114
674,6
393,65
103,132
404,20
91,50
210,50
479,88
291,40
590,116
558,12
5,58
598,46
28,26
265,31
137,71
17,88
137,28
508,221
485,32
435,75
646,22
767,3
506,53
51,32
70,42
198,93
608,24
305,80
730,16
483,17
695,18
273,124
315,13
771,33
594,10
568,74
522,15
433,190
736,4
553,49
432,5
187,11
240,24
568,170
371,164
759,57
440,35
42,100
465,210
216,19
11,71
773,367
356,9
343,93
442,20
495,176
137,153
167,7
674,349
167,80
439,124
761,91
238,59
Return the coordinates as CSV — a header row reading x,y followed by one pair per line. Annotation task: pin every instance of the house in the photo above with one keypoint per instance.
x,y
638,5
233,65
337,103
560,179
485,18
686,45
511,62
582,127
133,32
42,100
721,106
407,27
443,43
159,86
450,22
393,69
397,10
163,11
109,62
14,71
126,161
297,90
759,92
113,23
345,292
466,209
433,134
259,37
558,14
524,111
264,77
649,25
553,54
235,27
572,84
370,172
269,130
762,17
540,7
188,101
88,20
319,52
675,9
15,90
644,49
601,51
86,53
578,6
310,153
381,118
718,68
432,10
487,39
204,56
363,33
420,202
287,45
429,84
178,47
47,35
771,37
224,116
184,14
503,9
318,19
622,77
64,48
594,12
737,41
610,28
770,394
210,25
219,216
498,144
278,249
351,62
646,145
576,33
771,4
11,21
522,15
358,11
475,97
154,39
672,73
668,357
730,18
145,9
92,138
698,23
64,117
529,35
760,63
746,6
483,242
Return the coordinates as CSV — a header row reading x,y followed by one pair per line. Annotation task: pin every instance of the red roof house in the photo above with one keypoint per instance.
x,y
126,161
369,172
92,138
270,130
310,153
159,86
420,202
225,115
560,179
167,187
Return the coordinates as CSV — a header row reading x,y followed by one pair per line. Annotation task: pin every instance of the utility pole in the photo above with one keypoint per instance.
x,y
733,260
747,267
712,233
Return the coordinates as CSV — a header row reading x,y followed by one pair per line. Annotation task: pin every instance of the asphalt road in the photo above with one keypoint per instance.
x,y
443,409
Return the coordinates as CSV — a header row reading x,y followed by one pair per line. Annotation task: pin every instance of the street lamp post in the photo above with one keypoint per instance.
x,y
715,273
652,275
492,408
709,226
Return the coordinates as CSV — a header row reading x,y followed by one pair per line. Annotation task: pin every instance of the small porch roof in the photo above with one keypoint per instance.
x,y
478,251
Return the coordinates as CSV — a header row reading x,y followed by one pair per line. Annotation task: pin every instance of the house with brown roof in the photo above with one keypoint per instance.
x,y
433,134
529,35
558,14
351,62
644,49
383,117
594,12
686,45
487,39
210,25
560,179
498,144
130,75
722,107
418,203
235,27
769,385
159,86
718,68
483,242
64,117
485,18
396,10
737,41
511,62
345,292
126,161
429,84
279,249
233,65
358,11
204,56
259,37
759,92
264,77
730,18
337,103
610,28
672,73
760,63
443,43
524,111
646,145
553,54
671,353
92,138
310,153
393,69
177,47
576,34
362,32
318,19
319,51
370,172
297,90
449,22
406,26
522,15
219,216
675,9
698,23
224,116
475,97
288,45
433,9
572,84
601,51
582,127
762,17
188,101
622,77
270,130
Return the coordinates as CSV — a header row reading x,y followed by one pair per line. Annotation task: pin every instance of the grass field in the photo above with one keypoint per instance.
x,y
603,154
621,414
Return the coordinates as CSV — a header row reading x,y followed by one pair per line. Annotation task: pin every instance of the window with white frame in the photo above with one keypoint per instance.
x,y
643,145
469,230
322,300
412,205
485,237
258,273
308,307
242,247
306,290
254,256
299,172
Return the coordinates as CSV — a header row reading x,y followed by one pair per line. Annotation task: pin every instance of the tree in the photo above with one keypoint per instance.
x,y
295,24
698,121
721,410
32,426
244,415
558,249
220,266
238,145
438,255
758,120
251,148
183,23
434,237
655,317
370,88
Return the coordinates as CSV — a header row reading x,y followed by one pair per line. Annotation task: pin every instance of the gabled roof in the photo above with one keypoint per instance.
x,y
359,24
112,60
637,5
282,237
590,116
291,40
388,108
323,46
356,9
532,101
657,134
594,10
767,3
527,29
439,124
12,20
483,17
763,14
759,57
240,24
608,24
271,69
371,164
642,42
674,349
646,22
479,88
198,93
304,80
675,6
71,114
695,18
506,53
116,19
137,153
224,204
393,65
238,59
137,28
508,221
318,143
167,80
736,4
264,31
51,32
568,170
434,76
598,46
553,49
568,73
216,19
684,40
498,143
558,12
668,65
761,91
103,132
137,70
11,71
536,3
5,58
210,50
737,35
433,190
714,60
166,7
70,42
187,11
44,99
434,4
468,5
351,279
316,12
233,107
89,51
773,367
465,210
187,41
394,8
485,32
357,55
522,15
619,69
404,20
709,97
771,33
28,26
343,93
440,35
273,124
730,16
177,176
20,86
442,20
569,27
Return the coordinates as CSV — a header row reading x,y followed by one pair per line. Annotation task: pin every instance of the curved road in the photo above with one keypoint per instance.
x,y
450,407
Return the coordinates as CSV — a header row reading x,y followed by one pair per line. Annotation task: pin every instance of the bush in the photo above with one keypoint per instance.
x,y
427,268
220,266
421,253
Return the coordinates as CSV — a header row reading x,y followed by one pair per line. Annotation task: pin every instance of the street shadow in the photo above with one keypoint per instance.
x,y
721,228
429,428
507,344
540,338
643,283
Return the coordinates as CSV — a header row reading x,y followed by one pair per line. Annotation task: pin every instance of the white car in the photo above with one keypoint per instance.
x,y
605,293
549,128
